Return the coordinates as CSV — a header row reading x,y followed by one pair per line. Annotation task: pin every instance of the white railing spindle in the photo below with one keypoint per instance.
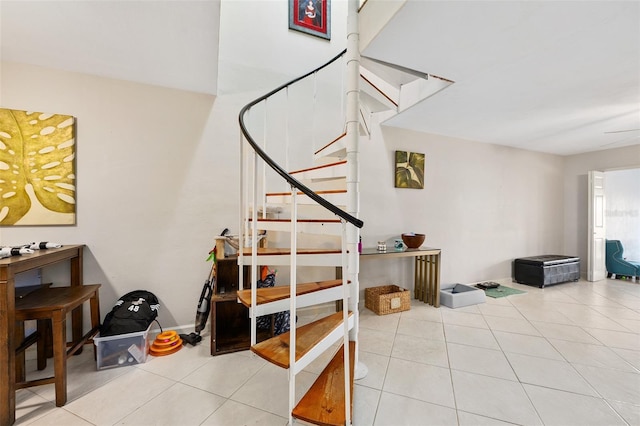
x,y
264,167
254,248
292,300
345,319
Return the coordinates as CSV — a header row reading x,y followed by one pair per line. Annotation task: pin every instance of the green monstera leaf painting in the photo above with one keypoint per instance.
x,y
409,170
37,168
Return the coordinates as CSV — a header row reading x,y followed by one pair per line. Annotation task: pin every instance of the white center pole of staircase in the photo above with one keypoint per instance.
x,y
345,319
353,173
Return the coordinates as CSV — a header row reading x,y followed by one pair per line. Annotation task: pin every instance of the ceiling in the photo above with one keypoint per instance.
x,y
560,77
165,43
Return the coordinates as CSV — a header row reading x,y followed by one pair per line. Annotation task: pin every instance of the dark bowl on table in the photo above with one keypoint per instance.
x,y
413,241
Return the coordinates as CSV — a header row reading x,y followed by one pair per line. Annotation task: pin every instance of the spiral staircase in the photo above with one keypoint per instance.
x,y
309,213
314,204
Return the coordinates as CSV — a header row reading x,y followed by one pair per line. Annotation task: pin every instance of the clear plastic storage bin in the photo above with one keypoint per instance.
x,y
122,349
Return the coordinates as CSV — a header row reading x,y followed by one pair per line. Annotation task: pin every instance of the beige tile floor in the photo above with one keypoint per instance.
x,y
565,355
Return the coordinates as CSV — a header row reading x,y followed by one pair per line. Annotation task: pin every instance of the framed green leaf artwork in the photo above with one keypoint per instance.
x,y
37,168
409,170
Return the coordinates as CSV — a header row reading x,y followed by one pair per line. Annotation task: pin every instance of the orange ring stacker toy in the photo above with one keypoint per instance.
x,y
166,343
166,336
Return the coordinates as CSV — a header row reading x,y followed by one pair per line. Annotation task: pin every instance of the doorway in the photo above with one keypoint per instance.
x,y
622,212
614,214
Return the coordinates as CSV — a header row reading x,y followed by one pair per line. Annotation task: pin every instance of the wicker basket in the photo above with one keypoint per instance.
x,y
387,299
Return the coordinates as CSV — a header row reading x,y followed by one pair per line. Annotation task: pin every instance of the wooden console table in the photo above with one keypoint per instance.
x,y
426,270
9,267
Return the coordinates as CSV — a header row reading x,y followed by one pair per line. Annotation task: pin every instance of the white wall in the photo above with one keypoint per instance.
x,y
482,204
622,213
153,173
259,51
576,169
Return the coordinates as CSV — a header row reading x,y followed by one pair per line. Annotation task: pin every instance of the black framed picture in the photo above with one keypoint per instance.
x,y
311,16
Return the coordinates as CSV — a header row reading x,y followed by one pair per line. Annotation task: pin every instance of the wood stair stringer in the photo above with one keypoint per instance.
x,y
333,170
337,148
323,404
311,340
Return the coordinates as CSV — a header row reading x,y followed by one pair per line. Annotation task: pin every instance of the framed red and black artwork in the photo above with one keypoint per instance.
x,y
311,16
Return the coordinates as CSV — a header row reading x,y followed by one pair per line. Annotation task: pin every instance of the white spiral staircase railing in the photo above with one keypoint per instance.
x,y
326,332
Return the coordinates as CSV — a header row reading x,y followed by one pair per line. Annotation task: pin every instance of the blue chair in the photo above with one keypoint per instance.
x,y
616,264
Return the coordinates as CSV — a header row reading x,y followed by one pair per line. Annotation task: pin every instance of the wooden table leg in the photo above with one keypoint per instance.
x,y
417,281
20,358
430,282
76,315
427,279
7,348
434,279
95,317
59,327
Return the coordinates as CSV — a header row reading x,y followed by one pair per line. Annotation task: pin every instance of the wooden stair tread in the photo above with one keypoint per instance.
x,y
268,251
276,349
331,143
323,404
323,166
271,294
